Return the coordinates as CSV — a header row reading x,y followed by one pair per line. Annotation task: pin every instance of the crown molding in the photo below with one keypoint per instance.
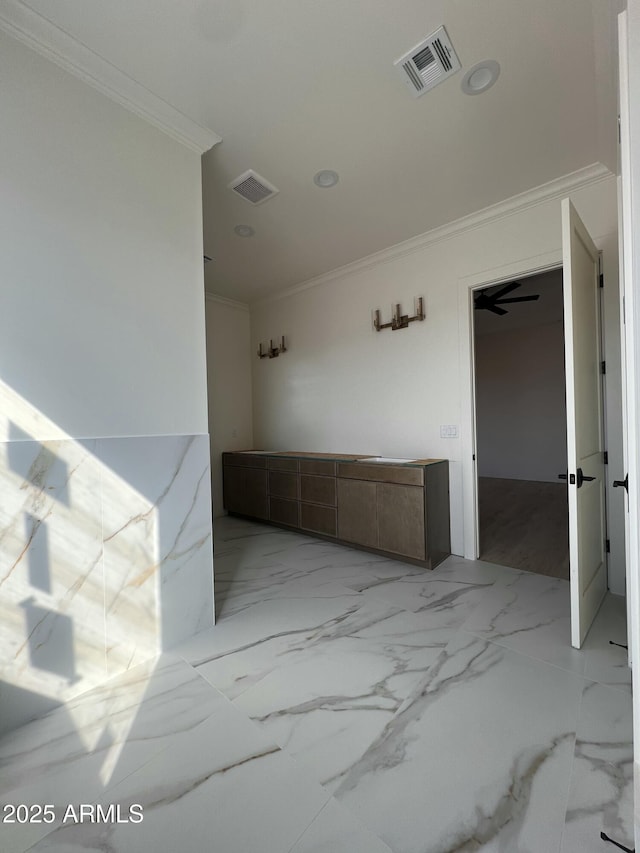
x,y
222,300
54,44
557,188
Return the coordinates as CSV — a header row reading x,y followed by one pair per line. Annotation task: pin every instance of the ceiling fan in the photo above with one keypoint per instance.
x,y
492,301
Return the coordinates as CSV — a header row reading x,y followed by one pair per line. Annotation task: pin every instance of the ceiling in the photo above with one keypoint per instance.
x,y
295,86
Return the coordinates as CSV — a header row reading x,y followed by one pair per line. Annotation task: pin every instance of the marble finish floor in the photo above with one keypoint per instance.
x,y
346,702
525,525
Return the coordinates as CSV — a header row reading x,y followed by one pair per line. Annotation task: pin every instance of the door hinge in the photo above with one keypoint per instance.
x,y
608,545
606,458
603,367
601,280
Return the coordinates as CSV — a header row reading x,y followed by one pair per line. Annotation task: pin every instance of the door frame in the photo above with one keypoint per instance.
x,y
523,268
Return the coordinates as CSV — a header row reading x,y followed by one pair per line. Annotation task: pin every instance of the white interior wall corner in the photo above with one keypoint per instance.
x,y
229,364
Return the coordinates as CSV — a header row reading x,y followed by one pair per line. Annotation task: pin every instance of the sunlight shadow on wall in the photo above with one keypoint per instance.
x,y
54,585
105,556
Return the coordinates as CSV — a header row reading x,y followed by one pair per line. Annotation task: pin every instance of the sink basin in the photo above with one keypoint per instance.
x,y
382,459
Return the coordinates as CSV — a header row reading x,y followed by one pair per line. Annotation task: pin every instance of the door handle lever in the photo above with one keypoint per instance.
x,y
581,478
624,483
576,479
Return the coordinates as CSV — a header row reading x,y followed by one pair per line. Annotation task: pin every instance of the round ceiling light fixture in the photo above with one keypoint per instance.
x,y
481,77
244,231
326,178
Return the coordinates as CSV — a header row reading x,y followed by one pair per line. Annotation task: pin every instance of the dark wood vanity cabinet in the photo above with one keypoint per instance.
x,y
397,509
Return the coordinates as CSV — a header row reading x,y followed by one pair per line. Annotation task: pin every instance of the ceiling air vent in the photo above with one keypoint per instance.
x,y
429,63
252,187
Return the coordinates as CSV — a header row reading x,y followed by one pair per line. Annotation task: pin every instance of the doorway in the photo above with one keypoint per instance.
x,y
521,425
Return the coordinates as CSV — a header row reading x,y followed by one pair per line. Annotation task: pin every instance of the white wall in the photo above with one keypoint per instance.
x,y
520,403
102,316
107,555
229,377
344,387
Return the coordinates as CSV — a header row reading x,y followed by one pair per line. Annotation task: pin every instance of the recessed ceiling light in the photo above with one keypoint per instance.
x,y
326,178
481,77
244,231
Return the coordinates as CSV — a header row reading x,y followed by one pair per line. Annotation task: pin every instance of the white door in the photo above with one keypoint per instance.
x,y
630,267
626,374
630,404
630,196
585,457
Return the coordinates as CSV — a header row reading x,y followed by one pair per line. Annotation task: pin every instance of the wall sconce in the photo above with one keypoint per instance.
x,y
398,319
272,352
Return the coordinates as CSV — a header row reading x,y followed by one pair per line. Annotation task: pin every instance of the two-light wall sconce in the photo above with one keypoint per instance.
x,y
272,352
398,319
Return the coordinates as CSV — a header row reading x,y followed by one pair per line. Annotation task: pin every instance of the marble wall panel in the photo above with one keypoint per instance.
x,y
157,544
105,560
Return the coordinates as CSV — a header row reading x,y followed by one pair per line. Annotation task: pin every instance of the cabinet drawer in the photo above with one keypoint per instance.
x,y
278,463
318,466
283,484
410,476
318,519
284,511
244,460
318,490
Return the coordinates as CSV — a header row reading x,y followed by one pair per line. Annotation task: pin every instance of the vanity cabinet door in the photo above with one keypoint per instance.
x,y
401,520
357,512
245,491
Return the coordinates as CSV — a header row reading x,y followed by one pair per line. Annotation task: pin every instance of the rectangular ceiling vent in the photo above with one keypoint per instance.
x,y
429,63
252,187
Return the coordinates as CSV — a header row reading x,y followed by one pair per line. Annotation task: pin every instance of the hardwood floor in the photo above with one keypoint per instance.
x,y
524,525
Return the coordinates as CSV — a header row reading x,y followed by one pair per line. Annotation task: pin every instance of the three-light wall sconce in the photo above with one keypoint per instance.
x,y
272,352
398,319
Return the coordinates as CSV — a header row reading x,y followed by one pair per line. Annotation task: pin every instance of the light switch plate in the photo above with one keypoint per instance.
x,y
448,431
